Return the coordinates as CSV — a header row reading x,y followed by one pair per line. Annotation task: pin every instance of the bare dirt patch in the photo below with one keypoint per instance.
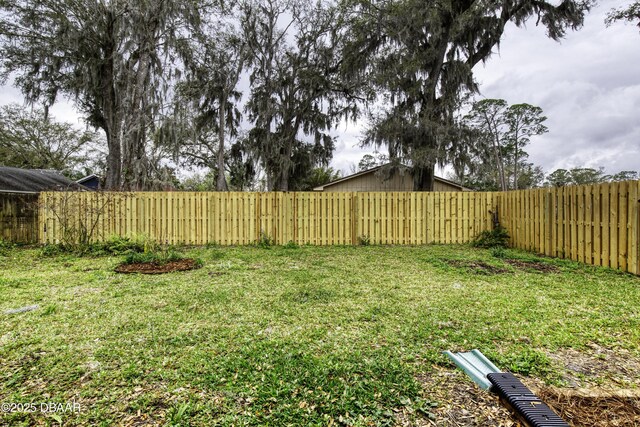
x,y
541,267
478,267
598,366
157,268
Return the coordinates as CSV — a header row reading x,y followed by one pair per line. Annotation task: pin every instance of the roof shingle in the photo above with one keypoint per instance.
x,y
16,180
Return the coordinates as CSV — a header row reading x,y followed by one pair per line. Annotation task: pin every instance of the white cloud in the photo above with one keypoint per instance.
x,y
588,86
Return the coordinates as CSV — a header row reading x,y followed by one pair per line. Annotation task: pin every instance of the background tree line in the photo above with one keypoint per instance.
x,y
161,83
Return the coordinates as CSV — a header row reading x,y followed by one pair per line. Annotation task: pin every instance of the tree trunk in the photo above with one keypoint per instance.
x,y
285,161
221,184
499,163
111,122
283,182
423,178
515,163
133,159
112,180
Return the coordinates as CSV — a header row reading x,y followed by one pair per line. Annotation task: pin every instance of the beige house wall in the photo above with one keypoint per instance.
x,y
374,182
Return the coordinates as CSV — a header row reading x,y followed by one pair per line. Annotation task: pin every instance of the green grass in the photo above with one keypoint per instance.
x,y
287,336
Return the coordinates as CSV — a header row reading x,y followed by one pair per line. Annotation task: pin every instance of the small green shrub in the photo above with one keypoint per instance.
x,y
498,237
139,257
265,241
5,247
117,245
53,250
161,257
114,245
172,255
364,240
291,245
498,252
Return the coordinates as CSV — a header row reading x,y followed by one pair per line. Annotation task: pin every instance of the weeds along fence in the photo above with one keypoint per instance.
x,y
19,217
593,224
240,218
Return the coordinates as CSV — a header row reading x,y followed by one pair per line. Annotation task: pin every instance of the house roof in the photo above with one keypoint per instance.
x,y
32,181
88,178
374,170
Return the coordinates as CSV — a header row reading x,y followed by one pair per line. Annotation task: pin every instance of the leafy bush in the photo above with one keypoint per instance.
x,y
159,257
5,247
139,257
53,249
291,245
265,241
498,237
499,252
364,240
117,245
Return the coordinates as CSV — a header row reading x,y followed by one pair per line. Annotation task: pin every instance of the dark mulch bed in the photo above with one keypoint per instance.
x,y
479,267
533,265
156,268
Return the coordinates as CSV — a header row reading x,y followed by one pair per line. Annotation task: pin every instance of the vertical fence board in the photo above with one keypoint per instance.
x,y
597,225
623,225
589,225
634,228
635,248
613,225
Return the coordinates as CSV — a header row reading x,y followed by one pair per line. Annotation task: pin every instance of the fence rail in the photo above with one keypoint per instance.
x,y
242,218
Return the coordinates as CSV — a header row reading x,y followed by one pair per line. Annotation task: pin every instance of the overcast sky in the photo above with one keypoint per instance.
x,y
588,86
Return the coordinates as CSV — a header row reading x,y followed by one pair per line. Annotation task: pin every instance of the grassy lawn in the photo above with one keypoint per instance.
x,y
294,336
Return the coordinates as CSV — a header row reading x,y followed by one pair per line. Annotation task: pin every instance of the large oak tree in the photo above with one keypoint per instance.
x,y
420,56
297,91
116,59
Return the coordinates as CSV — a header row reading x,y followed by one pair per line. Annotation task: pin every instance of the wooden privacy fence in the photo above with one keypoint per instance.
x,y
238,218
19,217
594,224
